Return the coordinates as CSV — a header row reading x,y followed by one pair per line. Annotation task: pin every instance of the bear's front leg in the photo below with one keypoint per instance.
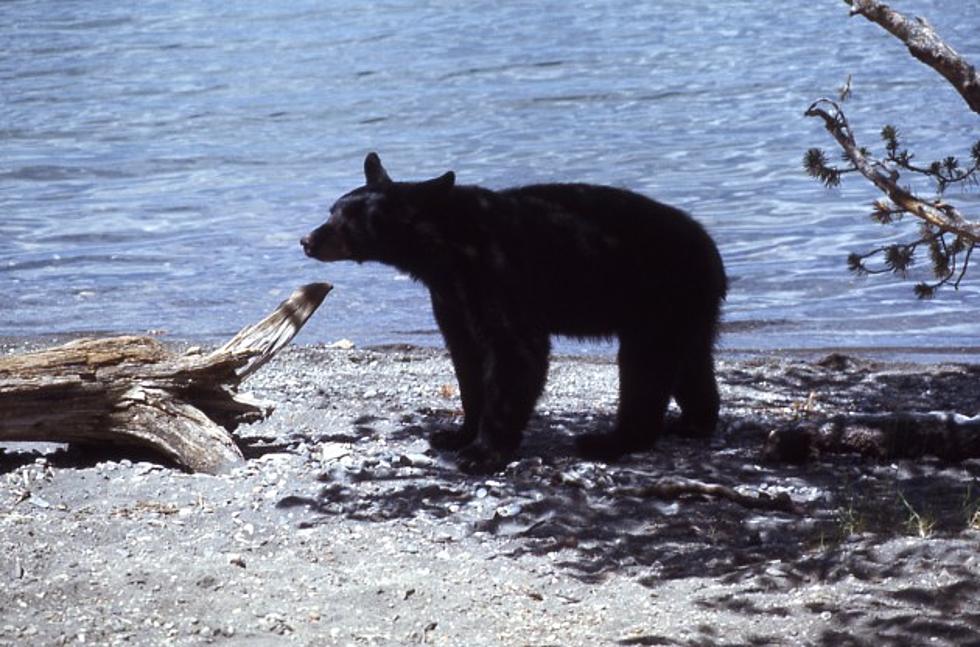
x,y
468,359
516,369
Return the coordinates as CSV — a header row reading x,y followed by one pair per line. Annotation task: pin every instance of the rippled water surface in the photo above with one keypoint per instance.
x,y
159,161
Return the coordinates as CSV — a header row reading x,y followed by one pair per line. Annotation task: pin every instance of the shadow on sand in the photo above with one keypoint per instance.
x,y
588,517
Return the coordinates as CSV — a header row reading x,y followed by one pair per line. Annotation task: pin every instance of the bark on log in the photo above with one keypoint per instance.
x,y
949,436
133,391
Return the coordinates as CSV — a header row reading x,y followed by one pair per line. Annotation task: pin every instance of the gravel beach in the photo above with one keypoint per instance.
x,y
344,528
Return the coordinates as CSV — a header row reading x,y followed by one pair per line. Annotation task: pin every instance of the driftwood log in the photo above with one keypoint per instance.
x,y
133,391
948,436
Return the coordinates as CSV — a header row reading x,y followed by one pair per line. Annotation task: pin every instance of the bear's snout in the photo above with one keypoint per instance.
x,y
326,244
307,243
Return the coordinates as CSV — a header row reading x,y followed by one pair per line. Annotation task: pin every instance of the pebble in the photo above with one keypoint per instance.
x,y
415,460
333,451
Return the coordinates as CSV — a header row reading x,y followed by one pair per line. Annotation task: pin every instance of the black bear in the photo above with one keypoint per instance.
x,y
507,269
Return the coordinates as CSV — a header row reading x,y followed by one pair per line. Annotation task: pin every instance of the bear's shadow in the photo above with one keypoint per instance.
x,y
593,515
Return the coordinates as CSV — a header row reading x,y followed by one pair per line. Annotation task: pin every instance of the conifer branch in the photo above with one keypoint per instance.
x,y
936,213
947,233
940,219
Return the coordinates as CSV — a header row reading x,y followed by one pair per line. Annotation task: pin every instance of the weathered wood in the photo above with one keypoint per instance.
x,y
925,45
133,391
671,489
267,337
948,436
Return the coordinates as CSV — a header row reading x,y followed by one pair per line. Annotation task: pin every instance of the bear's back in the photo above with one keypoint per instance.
x,y
588,258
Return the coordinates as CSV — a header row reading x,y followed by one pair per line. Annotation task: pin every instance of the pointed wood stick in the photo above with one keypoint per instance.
x,y
264,339
673,488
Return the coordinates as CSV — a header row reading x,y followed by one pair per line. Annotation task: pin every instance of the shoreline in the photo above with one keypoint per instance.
x,y
919,355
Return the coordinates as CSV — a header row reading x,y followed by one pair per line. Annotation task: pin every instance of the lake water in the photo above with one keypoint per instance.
x,y
159,161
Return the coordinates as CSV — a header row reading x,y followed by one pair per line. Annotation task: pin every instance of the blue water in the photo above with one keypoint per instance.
x,y
159,160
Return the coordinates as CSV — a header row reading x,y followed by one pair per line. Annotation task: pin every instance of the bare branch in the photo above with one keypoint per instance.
x,y
671,489
926,45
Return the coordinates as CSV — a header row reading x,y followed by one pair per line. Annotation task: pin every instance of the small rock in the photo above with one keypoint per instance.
x,y
415,460
37,501
509,510
333,451
236,559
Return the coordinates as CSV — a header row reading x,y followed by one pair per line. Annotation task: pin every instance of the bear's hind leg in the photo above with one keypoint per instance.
x,y
647,368
696,393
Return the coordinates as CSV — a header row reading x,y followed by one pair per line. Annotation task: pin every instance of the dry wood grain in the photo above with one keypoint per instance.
x,y
133,391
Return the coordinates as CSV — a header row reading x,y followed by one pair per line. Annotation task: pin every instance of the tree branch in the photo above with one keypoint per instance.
x,y
924,44
939,214
674,488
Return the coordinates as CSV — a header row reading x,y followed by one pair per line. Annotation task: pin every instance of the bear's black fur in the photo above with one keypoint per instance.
x,y
507,269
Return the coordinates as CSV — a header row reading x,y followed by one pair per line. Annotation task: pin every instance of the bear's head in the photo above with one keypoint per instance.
x,y
380,221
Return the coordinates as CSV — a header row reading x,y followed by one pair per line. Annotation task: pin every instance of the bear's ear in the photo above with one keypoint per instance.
x,y
444,182
374,173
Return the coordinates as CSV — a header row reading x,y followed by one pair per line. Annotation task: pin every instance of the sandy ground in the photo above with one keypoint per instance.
x,y
344,528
